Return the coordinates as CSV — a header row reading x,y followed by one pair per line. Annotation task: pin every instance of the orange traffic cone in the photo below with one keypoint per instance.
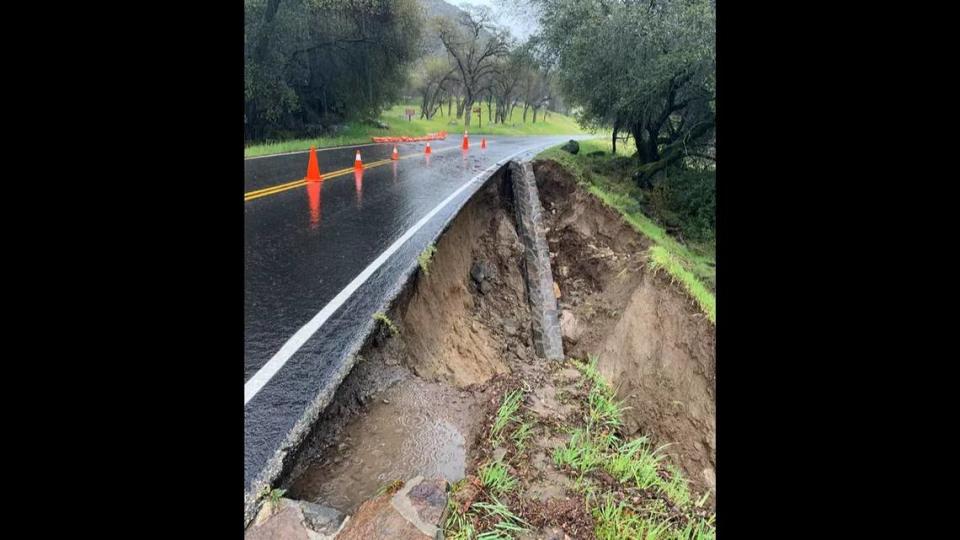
x,y
466,143
427,151
483,142
357,164
313,169
395,154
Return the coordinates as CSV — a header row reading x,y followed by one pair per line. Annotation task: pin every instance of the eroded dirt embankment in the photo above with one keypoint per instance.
x,y
416,402
654,345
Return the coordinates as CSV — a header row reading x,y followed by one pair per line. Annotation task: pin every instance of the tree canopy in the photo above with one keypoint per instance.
x,y
312,63
646,67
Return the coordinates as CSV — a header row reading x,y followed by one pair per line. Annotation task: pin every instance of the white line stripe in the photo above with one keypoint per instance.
x,y
265,373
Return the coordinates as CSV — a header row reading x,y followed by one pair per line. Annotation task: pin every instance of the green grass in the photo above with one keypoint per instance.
x,y
506,414
676,488
636,466
382,317
595,449
460,525
520,436
634,462
583,452
607,178
360,133
662,259
496,478
509,523
617,521
605,412
275,495
425,257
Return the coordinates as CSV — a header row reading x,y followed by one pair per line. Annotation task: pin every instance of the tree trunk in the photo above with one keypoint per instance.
x,y
671,154
525,105
534,115
646,144
467,107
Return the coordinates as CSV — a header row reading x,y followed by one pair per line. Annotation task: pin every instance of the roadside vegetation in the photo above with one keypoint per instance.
x,y
331,73
625,488
677,214
383,319
360,132
425,257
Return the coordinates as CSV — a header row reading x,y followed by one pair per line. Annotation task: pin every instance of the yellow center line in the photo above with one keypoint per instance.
x,y
256,194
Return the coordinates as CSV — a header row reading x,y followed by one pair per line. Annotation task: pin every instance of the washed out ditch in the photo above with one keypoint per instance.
x,y
426,386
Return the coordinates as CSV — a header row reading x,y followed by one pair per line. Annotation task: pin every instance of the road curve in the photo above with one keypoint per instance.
x,y
321,258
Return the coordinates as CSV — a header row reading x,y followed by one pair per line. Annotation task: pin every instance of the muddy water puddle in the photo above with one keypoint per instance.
x,y
413,428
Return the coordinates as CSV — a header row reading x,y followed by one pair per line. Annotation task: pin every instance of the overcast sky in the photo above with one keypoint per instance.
x,y
520,23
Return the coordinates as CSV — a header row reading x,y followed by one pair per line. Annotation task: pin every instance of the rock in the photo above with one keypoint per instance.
x,y
480,271
285,522
510,327
564,271
499,453
569,327
571,146
554,533
556,290
296,520
323,520
414,512
506,233
710,476
485,287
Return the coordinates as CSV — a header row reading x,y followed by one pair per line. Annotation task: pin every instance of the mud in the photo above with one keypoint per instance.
x,y
421,402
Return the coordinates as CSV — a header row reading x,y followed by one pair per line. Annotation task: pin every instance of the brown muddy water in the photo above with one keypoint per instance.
x,y
415,427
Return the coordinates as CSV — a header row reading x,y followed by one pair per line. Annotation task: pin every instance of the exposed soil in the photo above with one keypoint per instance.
x,y
654,346
423,401
413,402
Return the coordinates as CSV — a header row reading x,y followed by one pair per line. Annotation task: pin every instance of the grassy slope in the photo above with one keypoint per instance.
x,y
355,133
692,266
643,496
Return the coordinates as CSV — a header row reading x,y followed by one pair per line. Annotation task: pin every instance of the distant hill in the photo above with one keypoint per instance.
x,y
438,8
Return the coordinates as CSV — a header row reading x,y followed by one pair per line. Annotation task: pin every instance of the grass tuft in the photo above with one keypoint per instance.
x,y
425,257
506,414
496,478
382,317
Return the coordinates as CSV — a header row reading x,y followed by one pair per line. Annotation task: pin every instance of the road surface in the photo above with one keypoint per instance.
x,y
322,258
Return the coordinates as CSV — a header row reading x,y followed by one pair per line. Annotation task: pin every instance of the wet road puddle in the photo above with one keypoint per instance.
x,y
413,428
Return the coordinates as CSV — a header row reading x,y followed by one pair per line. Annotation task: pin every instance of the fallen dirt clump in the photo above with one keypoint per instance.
x,y
654,346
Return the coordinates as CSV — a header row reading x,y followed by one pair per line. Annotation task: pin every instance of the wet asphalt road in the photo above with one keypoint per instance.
x,y
305,244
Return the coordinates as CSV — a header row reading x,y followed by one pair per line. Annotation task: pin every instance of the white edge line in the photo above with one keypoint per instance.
x,y
265,373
